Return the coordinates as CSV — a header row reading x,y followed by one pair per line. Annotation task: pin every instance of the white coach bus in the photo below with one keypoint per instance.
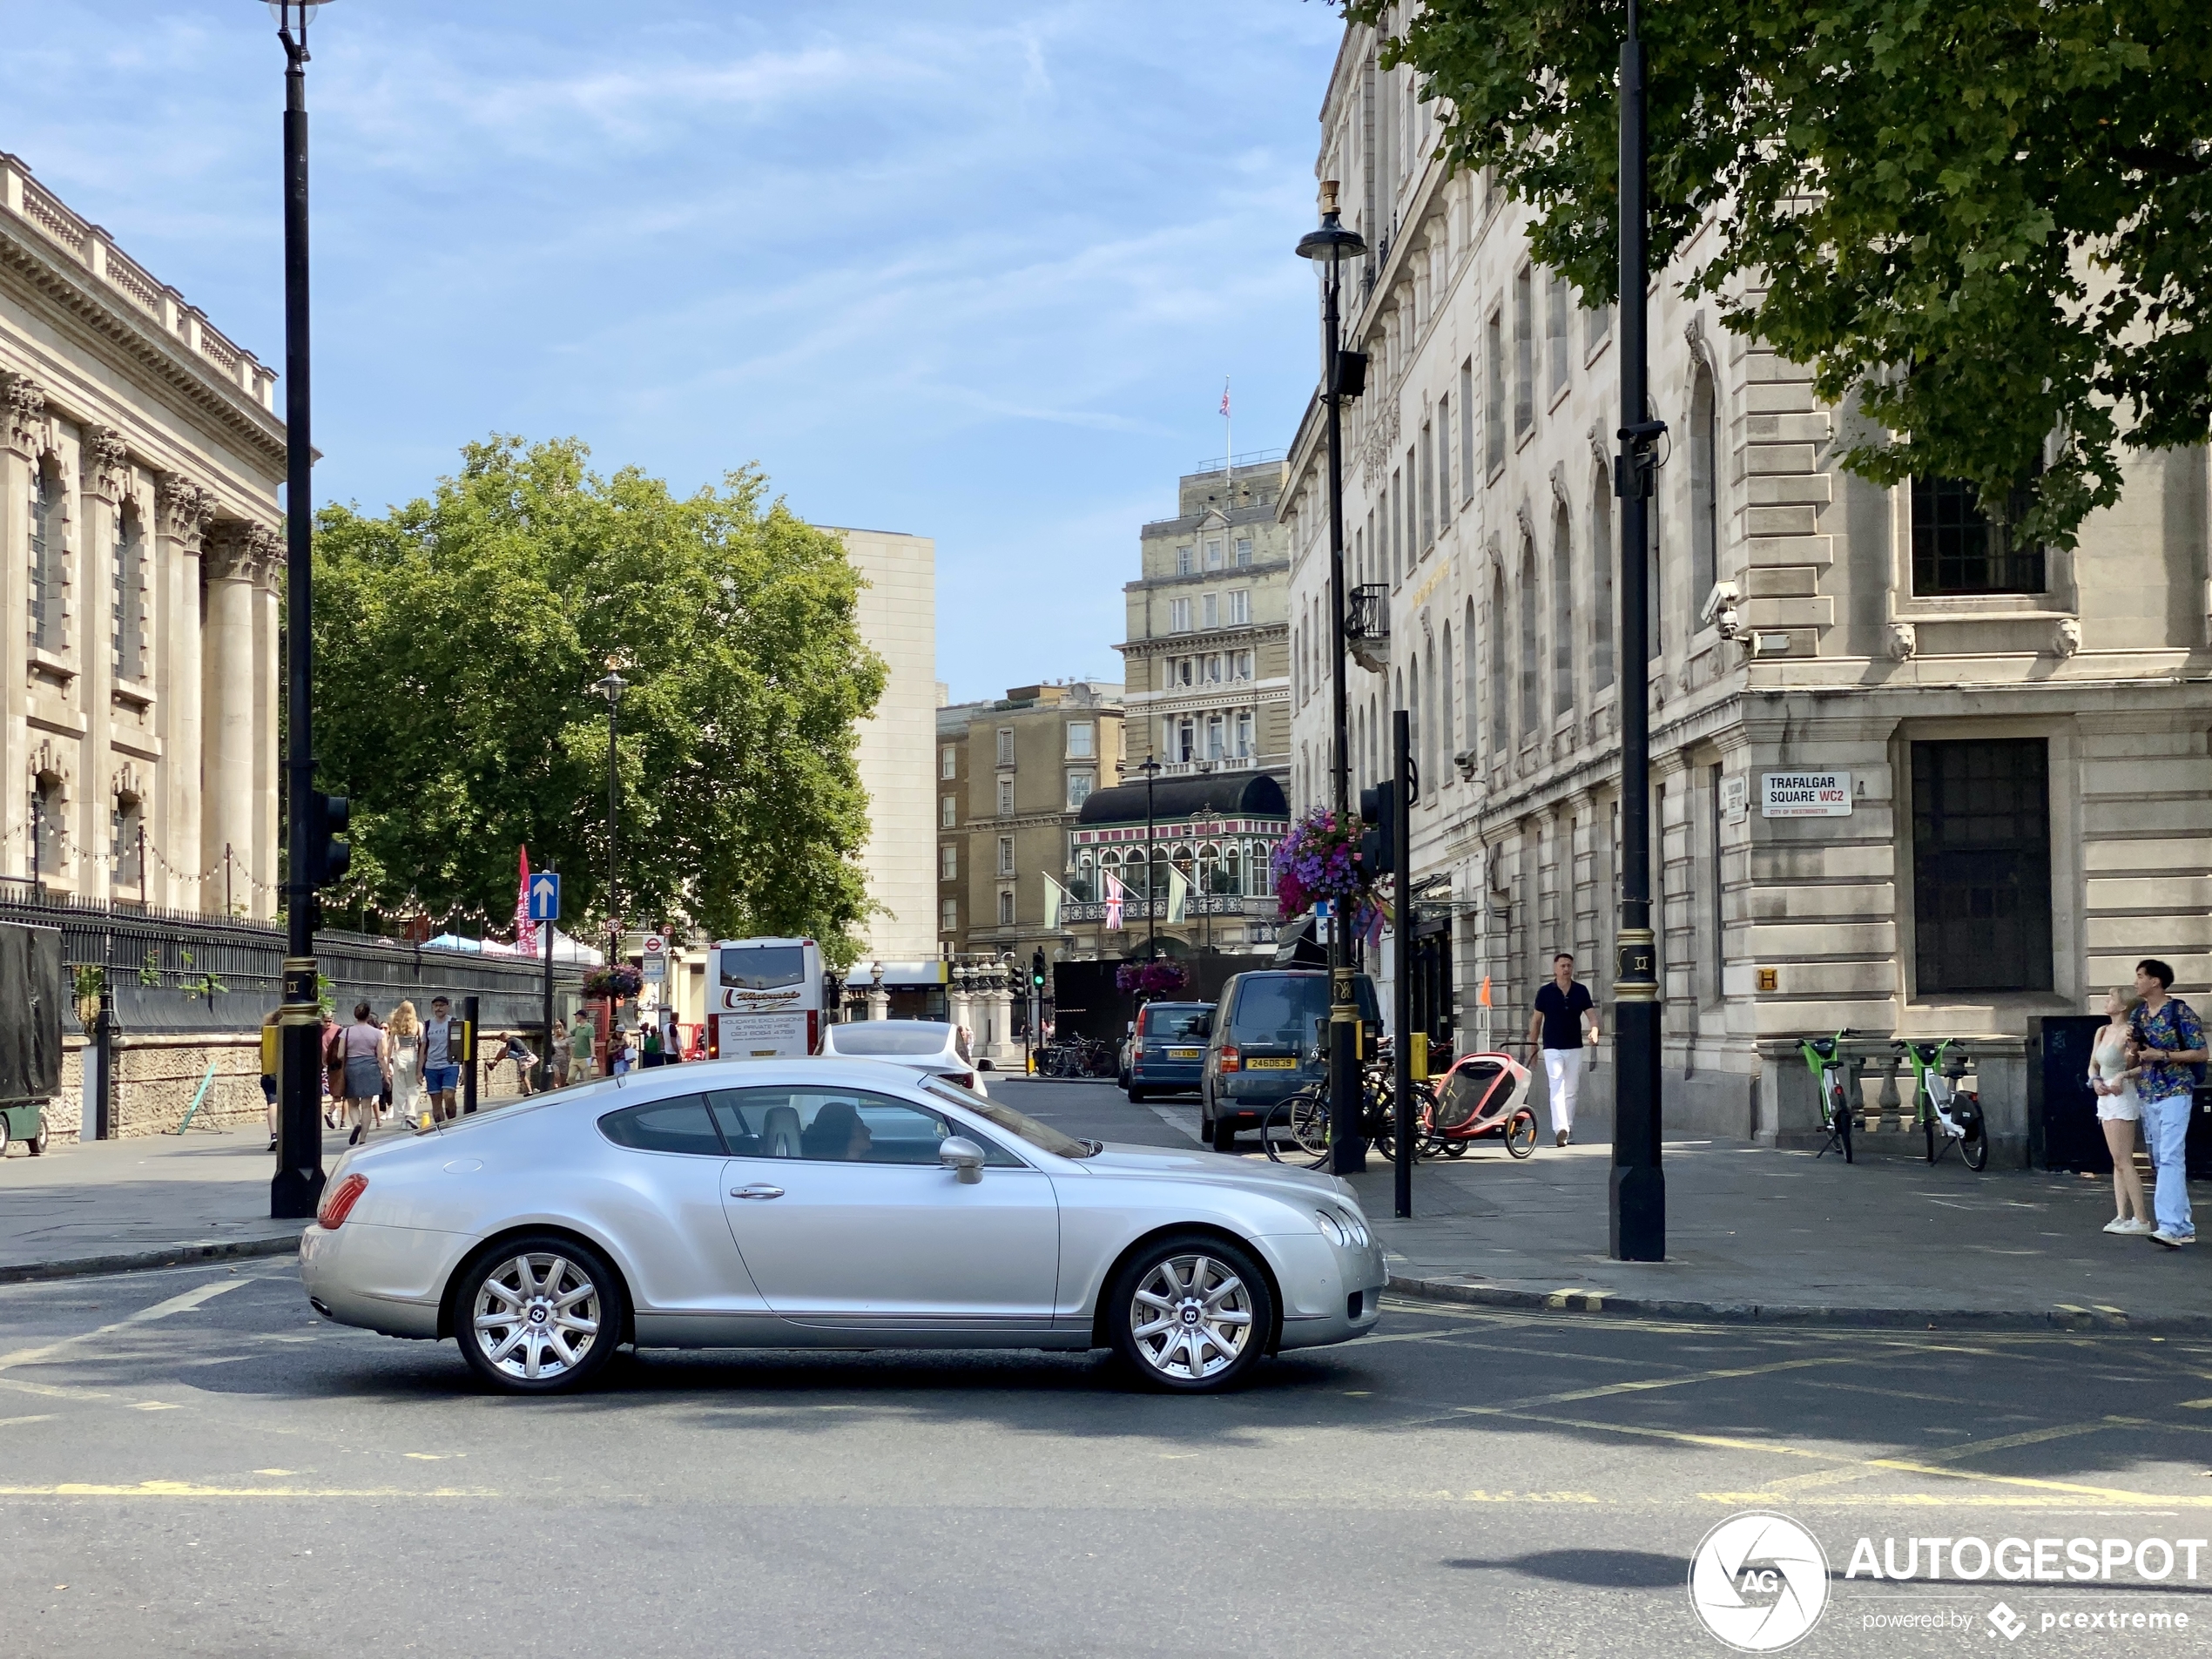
x,y
765,999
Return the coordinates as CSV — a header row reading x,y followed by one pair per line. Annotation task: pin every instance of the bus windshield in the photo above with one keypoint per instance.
x,y
763,968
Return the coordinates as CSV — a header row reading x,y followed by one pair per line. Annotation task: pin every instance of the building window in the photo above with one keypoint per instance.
x,y
947,811
1240,607
127,849
1240,665
1079,784
1243,555
1601,325
1500,705
1563,614
1982,866
1006,745
1082,744
949,917
1211,611
948,762
1470,676
1467,430
1957,549
1705,491
1185,560
1443,464
1602,553
1244,736
1006,907
129,596
1524,354
1005,855
1426,490
1186,739
1006,797
1531,681
47,560
1555,309
1213,554
1494,413
1178,616
47,820
949,861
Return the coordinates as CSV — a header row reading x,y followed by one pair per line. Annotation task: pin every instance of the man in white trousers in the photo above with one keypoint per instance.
x,y
1564,1010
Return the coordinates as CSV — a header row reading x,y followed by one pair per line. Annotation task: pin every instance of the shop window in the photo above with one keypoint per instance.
x,y
1982,866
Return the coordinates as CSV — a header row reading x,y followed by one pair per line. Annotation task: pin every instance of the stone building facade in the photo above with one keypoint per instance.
x,y
139,572
1206,659
2020,800
1012,775
897,617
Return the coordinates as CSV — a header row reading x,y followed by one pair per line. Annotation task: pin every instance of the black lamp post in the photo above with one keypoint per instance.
x,y
611,688
1342,374
296,1189
1637,1201
1151,770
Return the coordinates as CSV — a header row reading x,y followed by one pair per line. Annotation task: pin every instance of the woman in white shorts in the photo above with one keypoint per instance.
x,y
2112,1078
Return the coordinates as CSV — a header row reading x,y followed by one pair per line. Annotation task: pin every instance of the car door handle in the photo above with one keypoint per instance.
x,y
759,1190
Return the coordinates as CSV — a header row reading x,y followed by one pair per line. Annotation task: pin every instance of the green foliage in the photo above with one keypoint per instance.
x,y
150,968
1986,218
457,639
88,980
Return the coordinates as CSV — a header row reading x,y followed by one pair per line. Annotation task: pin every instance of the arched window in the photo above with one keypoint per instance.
x,y
1704,492
126,826
1468,672
1562,613
130,595
49,818
1444,723
1416,732
1425,734
1531,667
1602,554
1501,707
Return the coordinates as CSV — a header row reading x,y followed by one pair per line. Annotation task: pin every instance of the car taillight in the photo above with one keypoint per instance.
x,y
1230,1060
965,1079
339,1202
813,1031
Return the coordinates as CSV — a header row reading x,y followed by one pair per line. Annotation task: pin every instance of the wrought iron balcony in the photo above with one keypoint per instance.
x,y
1366,626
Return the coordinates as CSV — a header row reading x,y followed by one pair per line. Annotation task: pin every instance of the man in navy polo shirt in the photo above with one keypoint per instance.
x,y
1564,1008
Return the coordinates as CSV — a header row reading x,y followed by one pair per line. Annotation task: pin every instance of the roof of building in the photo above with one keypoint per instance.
x,y
1247,794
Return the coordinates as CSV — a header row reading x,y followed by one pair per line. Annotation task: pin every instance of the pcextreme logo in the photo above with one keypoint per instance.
x,y
1758,1582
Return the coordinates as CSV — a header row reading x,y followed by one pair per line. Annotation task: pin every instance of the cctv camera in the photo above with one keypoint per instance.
x,y
1719,609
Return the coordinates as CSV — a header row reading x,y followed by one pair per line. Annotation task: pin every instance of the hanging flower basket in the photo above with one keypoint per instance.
x,y
1320,860
1151,979
621,981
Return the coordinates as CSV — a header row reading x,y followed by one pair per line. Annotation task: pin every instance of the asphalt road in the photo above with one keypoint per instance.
x,y
193,1462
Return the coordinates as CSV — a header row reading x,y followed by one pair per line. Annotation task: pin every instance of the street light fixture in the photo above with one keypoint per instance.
x,y
1342,374
1637,1198
296,1189
1151,770
611,688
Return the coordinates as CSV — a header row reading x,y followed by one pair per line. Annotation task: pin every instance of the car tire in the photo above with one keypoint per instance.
x,y
36,1143
1221,1133
1191,1314
1135,1096
569,1285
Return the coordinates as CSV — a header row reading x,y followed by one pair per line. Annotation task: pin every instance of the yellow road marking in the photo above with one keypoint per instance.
x,y
1645,1384
11,1422
1951,1501
190,1489
182,1304
1798,1483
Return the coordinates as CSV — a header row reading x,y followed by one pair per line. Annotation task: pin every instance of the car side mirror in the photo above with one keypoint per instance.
x,y
963,1157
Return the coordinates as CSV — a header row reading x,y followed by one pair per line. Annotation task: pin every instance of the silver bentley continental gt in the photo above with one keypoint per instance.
x,y
827,1202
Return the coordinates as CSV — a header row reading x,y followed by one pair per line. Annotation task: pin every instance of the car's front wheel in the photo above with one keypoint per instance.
x,y
1191,1314
538,1315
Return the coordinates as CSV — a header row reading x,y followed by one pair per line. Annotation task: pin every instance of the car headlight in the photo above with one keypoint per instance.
x,y
1356,1227
1332,1229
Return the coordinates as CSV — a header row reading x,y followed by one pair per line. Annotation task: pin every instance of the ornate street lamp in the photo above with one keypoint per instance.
x,y
1342,374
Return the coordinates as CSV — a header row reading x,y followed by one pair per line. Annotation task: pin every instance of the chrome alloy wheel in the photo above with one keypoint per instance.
x,y
536,1316
1191,1318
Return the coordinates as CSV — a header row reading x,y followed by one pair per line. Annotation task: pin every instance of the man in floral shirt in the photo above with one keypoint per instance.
x,y
2171,1039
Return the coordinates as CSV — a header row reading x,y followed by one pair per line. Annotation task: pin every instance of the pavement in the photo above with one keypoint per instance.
x,y
1753,1234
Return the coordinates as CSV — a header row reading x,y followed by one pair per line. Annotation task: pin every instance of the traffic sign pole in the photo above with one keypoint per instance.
x,y
545,896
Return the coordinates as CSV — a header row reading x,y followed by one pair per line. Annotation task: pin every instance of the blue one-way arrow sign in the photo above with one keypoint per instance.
x,y
545,897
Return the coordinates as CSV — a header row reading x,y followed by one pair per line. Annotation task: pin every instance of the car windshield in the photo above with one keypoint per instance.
x,y
892,1036
1043,1137
763,968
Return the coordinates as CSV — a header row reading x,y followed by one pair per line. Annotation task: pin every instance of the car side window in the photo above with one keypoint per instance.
x,y
836,1126
680,1125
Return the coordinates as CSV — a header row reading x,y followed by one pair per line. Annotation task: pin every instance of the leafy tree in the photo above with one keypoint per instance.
x,y
1990,220
457,641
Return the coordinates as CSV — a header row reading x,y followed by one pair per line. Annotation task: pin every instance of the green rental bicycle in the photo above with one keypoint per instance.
x,y
1944,1108
1831,1080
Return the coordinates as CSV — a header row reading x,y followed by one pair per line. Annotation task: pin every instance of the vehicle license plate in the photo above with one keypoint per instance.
x,y
1182,1054
1271,1065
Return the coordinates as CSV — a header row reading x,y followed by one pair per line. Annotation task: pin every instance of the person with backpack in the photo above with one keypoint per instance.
x,y
2169,1039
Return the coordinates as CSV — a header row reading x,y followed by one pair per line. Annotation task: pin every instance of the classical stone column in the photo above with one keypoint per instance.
x,y
182,512
231,556
267,787
103,470
22,430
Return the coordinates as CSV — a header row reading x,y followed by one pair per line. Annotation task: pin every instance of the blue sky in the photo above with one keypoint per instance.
x,y
972,272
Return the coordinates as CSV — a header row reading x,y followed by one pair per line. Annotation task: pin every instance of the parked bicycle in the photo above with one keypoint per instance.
x,y
1831,1080
1942,1108
1076,1057
1299,1128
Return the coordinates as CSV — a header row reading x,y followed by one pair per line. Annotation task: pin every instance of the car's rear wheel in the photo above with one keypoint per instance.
x,y
1221,1133
538,1315
1191,1314
1136,1096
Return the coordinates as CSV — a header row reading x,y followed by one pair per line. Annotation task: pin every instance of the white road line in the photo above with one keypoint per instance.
x,y
183,1304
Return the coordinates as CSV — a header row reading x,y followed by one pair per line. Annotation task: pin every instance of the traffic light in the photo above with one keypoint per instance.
x,y
1036,968
328,858
1378,844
